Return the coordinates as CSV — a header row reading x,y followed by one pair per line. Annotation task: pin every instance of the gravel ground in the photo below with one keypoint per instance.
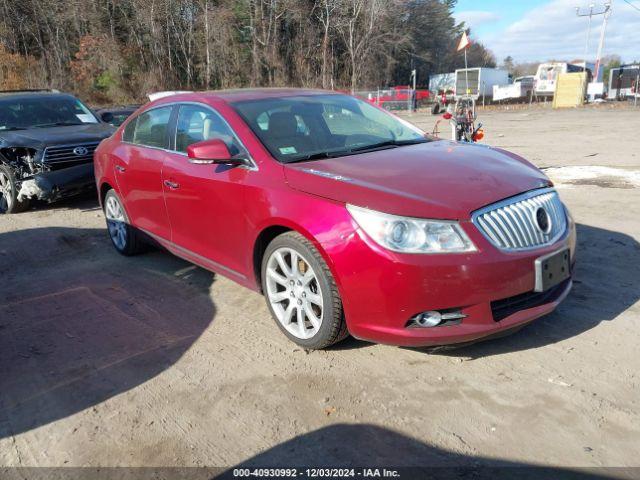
x,y
113,361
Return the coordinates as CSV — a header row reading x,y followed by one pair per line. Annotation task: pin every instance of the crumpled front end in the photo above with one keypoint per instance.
x,y
52,186
37,180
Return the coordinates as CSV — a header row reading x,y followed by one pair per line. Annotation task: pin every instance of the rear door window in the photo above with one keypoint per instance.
x,y
151,128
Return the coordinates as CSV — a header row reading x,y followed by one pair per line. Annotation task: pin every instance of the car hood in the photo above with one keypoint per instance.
x,y
439,179
68,135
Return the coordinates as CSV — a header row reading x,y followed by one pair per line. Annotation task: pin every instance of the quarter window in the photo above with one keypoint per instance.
x,y
151,128
127,135
196,124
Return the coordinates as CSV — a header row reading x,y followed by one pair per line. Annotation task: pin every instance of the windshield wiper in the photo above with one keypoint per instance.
x,y
320,156
352,151
57,124
9,129
387,144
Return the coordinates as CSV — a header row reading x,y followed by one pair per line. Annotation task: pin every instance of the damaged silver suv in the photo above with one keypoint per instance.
x,y
47,140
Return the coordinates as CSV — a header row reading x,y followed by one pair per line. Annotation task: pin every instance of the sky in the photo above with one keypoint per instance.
x,y
538,30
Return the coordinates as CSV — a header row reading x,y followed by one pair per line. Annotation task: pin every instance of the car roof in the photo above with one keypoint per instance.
x,y
241,94
26,94
124,108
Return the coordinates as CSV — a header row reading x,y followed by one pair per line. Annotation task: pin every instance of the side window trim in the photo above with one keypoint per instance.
x,y
172,130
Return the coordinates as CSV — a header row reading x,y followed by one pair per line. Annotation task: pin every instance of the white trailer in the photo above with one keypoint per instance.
x,y
442,83
623,81
479,82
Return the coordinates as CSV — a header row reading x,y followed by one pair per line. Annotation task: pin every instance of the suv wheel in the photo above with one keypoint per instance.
x,y
9,193
124,237
301,292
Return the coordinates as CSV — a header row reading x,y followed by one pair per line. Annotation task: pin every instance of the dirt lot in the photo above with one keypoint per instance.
x,y
108,361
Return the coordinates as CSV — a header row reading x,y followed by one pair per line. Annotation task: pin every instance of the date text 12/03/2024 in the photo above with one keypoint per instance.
x,y
316,473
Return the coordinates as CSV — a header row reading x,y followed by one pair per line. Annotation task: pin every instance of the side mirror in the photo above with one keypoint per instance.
x,y
210,152
107,117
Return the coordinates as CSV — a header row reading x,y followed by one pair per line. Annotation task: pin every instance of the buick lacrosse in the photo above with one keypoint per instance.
x,y
348,219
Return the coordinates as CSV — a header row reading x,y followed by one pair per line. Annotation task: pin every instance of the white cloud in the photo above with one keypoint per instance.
x,y
554,31
475,18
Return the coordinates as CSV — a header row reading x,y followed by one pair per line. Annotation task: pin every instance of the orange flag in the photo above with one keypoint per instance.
x,y
464,42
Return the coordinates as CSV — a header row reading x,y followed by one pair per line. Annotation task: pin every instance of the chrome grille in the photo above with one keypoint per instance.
x,y
511,224
63,156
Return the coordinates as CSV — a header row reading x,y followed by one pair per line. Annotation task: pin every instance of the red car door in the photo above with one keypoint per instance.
x,y
205,202
138,170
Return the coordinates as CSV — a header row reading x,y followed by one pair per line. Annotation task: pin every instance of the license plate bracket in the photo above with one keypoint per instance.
x,y
552,269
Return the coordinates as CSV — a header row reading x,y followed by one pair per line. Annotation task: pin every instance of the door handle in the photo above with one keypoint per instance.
x,y
172,185
120,168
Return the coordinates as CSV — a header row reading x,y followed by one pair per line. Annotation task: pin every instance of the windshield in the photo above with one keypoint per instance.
x,y
43,111
323,126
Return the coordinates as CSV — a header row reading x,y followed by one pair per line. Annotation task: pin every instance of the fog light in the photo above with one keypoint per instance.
x,y
429,319
433,318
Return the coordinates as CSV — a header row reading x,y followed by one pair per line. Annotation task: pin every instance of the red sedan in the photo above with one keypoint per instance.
x,y
348,219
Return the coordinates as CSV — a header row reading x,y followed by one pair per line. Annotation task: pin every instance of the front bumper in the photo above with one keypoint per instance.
x,y
383,290
52,186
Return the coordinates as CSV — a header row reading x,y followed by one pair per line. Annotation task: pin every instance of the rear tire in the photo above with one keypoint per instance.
x,y
124,237
9,193
301,293
435,109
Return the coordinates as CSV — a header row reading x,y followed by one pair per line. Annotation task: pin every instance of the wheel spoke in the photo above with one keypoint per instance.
x,y
288,314
314,298
277,277
279,296
300,319
295,271
313,318
283,264
308,276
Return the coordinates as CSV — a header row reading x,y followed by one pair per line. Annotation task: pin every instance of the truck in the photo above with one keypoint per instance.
x,y
479,82
521,88
623,81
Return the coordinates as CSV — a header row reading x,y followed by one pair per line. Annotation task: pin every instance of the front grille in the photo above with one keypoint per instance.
x,y
501,309
512,224
64,156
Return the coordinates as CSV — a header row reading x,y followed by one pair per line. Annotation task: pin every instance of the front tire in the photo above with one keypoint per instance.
x,y
301,293
9,192
124,237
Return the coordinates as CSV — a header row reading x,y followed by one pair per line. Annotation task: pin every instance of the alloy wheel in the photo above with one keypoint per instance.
x,y
116,222
294,293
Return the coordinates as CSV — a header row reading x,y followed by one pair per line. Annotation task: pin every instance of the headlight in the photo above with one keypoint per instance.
x,y
412,235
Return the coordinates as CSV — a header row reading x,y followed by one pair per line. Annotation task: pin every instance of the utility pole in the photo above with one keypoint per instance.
x,y
607,14
590,15
606,11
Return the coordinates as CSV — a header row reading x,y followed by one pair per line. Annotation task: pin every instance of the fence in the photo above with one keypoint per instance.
x,y
389,99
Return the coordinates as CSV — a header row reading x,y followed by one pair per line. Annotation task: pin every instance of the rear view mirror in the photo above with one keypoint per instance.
x,y
212,152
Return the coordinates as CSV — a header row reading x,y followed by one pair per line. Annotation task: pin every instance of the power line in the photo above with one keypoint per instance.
x,y
631,5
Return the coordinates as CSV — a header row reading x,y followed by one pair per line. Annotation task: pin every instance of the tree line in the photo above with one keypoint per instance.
x,y
112,51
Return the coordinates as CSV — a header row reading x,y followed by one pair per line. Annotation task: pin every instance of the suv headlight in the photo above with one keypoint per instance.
x,y
412,235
